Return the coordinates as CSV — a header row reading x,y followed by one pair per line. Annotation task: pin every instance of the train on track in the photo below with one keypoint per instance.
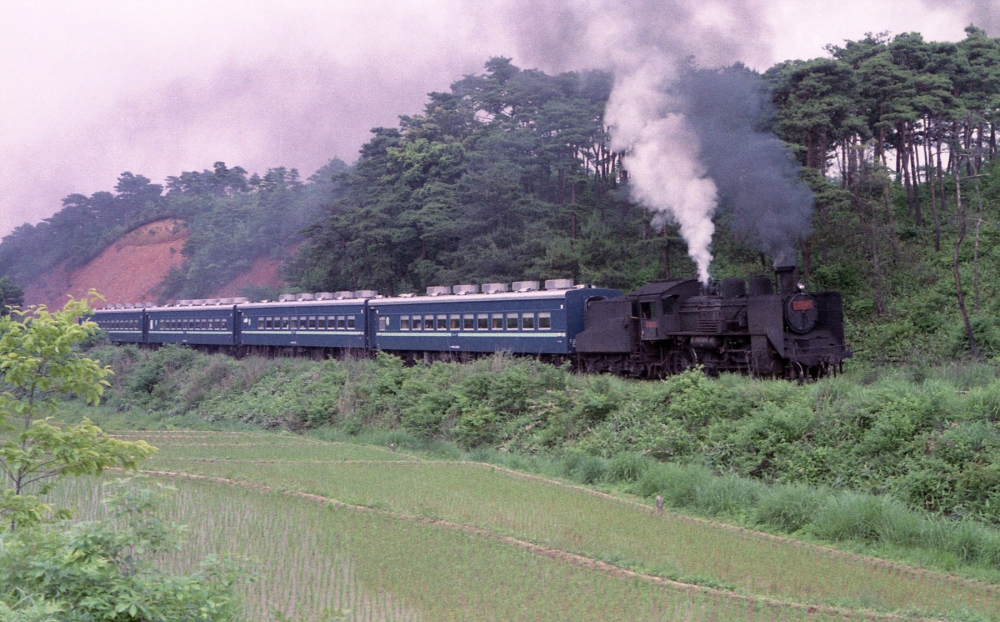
x,y
660,329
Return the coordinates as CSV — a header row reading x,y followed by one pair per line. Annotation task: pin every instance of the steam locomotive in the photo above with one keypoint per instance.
x,y
660,329
666,327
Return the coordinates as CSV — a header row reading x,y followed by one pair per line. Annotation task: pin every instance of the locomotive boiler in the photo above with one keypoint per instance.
x,y
666,327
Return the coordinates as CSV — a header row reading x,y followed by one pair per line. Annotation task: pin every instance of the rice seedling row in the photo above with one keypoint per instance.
x,y
330,452
315,558
568,519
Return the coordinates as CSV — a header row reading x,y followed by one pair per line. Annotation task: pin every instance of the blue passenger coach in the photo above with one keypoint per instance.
x,y
334,321
197,323
465,319
122,323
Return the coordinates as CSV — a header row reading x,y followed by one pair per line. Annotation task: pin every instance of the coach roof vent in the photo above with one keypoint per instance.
x,y
365,293
286,298
212,301
240,300
559,284
463,290
525,286
494,288
343,295
438,290
324,295
304,297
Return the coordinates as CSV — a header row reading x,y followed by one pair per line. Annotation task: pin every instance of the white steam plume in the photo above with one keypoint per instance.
x,y
665,172
646,43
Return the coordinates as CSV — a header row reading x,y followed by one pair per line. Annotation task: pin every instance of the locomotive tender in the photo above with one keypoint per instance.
x,y
660,329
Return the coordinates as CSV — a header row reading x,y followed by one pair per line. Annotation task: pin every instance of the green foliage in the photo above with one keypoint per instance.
x,y
10,295
928,435
104,570
39,364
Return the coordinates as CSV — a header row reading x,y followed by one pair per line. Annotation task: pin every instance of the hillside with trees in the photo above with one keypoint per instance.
x,y
509,175
234,218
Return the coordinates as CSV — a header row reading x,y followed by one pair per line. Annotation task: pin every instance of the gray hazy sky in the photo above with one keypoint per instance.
x,y
91,88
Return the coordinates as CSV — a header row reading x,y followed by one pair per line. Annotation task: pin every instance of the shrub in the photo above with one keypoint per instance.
x,y
627,467
868,518
789,507
678,484
590,470
729,495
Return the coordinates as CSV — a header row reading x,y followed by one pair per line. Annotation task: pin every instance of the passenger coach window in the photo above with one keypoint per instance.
x,y
528,321
350,322
468,322
428,322
341,322
455,322
497,321
312,322
482,322
442,323
404,323
544,321
382,323
284,323
511,321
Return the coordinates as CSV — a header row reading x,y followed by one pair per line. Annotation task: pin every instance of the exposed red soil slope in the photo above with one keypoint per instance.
x,y
131,269
127,271
263,273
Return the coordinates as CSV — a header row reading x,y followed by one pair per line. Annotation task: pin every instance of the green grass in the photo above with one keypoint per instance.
x,y
574,520
314,560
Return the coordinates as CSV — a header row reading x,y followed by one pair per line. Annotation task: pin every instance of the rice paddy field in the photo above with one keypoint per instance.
x,y
354,532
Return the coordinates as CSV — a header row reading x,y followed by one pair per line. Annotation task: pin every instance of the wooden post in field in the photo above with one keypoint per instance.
x,y
392,446
659,504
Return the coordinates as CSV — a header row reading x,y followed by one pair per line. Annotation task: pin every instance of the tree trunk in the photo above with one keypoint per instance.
x,y
975,251
903,166
939,172
891,221
915,168
876,270
954,262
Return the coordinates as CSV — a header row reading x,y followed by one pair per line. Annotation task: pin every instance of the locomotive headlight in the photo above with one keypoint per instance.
x,y
801,287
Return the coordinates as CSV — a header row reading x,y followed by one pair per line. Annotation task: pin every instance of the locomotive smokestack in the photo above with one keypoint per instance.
x,y
787,278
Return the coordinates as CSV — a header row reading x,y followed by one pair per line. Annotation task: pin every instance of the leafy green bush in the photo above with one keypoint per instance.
x,y
105,570
628,467
789,507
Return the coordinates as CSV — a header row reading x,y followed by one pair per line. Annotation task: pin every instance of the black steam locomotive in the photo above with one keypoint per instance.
x,y
668,326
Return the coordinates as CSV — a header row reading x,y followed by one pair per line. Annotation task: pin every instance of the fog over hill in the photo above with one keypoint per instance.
x,y
95,88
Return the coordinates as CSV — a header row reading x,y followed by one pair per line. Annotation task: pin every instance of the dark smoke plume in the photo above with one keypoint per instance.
x,y
983,13
754,173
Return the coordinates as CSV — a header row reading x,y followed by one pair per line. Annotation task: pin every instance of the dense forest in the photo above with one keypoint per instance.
x,y
509,175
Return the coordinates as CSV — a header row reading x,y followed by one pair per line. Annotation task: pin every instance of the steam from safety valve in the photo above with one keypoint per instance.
x,y
662,158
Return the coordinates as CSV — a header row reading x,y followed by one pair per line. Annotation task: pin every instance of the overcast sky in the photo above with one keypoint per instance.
x,y
92,88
